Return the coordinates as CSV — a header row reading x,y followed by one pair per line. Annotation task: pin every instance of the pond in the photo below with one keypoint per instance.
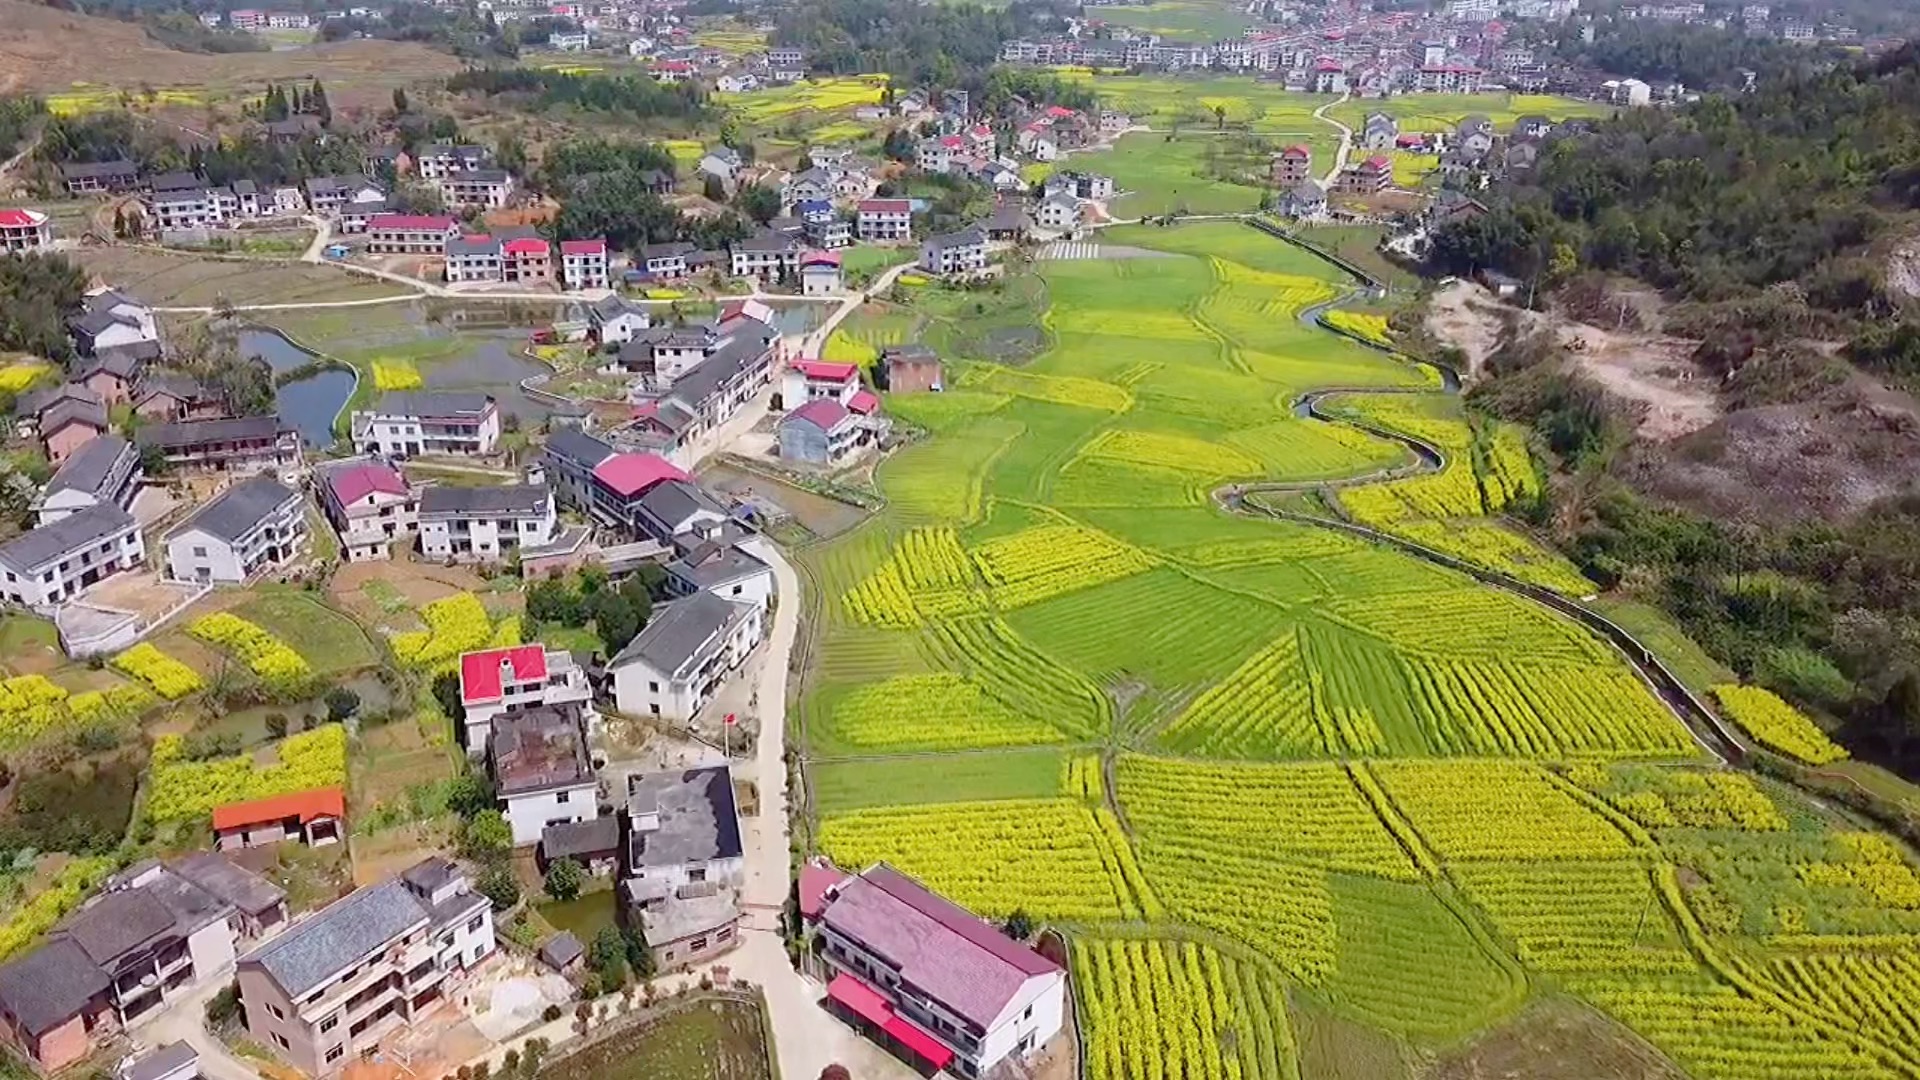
x,y
584,916
308,404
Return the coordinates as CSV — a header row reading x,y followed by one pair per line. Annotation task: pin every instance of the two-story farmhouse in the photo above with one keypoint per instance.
x,y
253,527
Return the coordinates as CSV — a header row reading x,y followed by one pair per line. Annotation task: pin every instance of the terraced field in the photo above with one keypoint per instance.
x,y
1276,781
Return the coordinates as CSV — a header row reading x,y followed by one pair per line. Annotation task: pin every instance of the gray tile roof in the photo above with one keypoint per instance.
x,y
50,985
971,236
236,511
89,468
431,874
712,565
677,919
186,433
472,245
562,949
743,349
768,242
433,403
49,543
674,501
681,633
119,923
698,820
311,951
577,447
510,499
580,838
163,1063
72,410
234,884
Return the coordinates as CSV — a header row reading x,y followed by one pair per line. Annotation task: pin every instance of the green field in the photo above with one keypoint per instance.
x,y
1197,21
1307,806
1199,172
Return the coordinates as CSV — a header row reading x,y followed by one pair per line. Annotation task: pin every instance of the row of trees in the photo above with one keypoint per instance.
x,y
604,189
1701,57
280,102
937,44
618,613
631,96
37,294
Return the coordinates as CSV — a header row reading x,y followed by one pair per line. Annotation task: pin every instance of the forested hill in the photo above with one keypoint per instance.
x,y
1725,197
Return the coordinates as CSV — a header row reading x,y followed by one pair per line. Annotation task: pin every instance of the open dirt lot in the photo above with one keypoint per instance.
x,y
1649,371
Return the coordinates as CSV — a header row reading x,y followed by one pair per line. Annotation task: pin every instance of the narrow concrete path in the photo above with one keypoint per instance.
x,y
1346,137
183,1020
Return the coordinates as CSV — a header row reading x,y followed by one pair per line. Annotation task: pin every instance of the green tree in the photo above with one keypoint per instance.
x,y
758,201
498,885
341,703
446,694
607,956
469,794
487,836
565,879
1018,924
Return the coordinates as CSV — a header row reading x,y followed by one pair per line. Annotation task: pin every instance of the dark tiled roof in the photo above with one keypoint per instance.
x,y
538,749
698,820
510,499
680,632
578,447
49,986
194,432
311,951
580,837
89,468
433,403
236,511
37,547
221,877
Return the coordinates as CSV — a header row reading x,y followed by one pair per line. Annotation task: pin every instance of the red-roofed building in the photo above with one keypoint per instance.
x,y
809,380
312,817
497,682
526,259
1292,165
22,231
622,481
864,403
370,505
819,273
583,264
822,432
672,71
410,234
919,973
883,219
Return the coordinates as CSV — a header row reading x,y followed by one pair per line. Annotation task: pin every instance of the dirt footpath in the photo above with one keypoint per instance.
x,y
1652,372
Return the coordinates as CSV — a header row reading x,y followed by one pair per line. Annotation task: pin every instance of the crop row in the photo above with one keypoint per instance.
x,y
1875,993
931,712
1544,709
280,668
1160,1010
169,678
1589,917
1777,725
455,625
1497,810
1035,564
1159,450
1007,666
1046,856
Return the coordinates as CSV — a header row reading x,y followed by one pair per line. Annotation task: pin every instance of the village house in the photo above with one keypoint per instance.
x,y
94,177
488,189
916,971
338,195
1306,200
542,772
666,262
911,368
956,254
1369,177
685,859
583,264
315,818
409,423
724,568
883,219
114,372
472,258
103,472
615,320
1379,132
438,161
768,254
24,231
819,273
154,932
679,511
110,319
66,418
501,682
254,526
330,987
53,563
485,524
369,504
249,444
410,234
1292,165
676,664
592,845
1058,213
167,397
822,432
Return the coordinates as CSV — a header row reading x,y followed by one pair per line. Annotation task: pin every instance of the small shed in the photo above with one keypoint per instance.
x,y
563,952
312,817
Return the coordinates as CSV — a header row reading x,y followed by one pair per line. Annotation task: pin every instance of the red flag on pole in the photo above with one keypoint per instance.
x,y
732,719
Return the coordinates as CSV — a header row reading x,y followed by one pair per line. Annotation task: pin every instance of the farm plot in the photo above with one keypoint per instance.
x,y
1054,675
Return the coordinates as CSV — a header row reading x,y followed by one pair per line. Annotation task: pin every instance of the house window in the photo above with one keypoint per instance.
x,y
653,687
329,1023
282,1040
199,553
275,1010
561,797
1028,1015
697,943
336,1053
698,873
473,927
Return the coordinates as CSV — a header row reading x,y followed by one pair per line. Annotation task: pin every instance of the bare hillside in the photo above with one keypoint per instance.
x,y
46,50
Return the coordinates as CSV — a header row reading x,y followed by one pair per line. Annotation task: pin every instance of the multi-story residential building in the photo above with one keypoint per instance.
x,y
819,273
369,504
24,231
115,372
404,424
153,933
661,354
615,320
930,976
54,563
339,194
1451,79
473,258
1292,165
666,261
583,264
676,664
526,260
1368,177
1059,212
252,527
501,682
329,988
166,397
767,255
249,444
92,177
110,319
684,864
184,208
570,458
822,432
486,188
884,219
957,254
724,567
808,380
438,161
485,524
410,234
103,472
67,418
542,772
680,512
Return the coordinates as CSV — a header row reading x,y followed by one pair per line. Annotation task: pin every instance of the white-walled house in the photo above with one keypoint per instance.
x,y
105,470
945,984
410,423
369,504
255,525
497,682
726,570
485,524
683,828
54,563
677,662
542,772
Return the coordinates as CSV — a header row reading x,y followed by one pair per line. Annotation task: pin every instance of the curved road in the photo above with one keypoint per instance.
x,y
1346,137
